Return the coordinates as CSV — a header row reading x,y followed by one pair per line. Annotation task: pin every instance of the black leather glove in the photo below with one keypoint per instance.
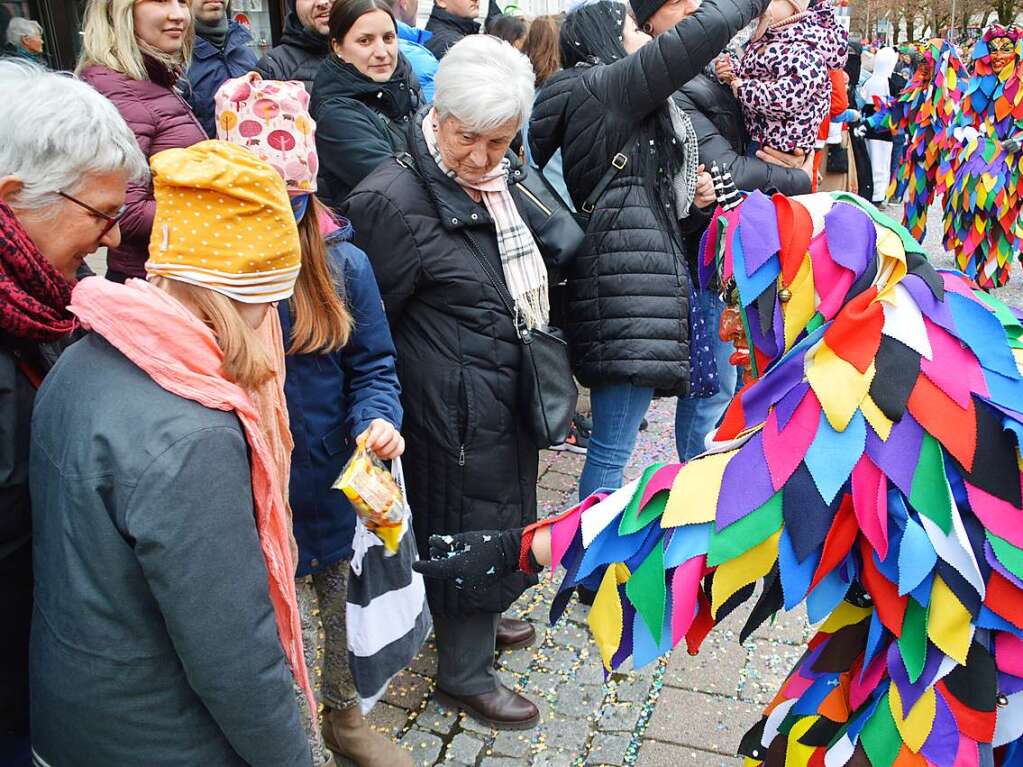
x,y
474,561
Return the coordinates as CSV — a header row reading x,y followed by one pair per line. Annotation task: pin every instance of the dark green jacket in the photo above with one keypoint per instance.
x,y
153,637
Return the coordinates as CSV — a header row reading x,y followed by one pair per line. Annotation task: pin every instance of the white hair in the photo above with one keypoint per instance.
x,y
56,131
484,82
21,27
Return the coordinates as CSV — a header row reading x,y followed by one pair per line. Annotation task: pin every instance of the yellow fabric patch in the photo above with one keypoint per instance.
x,y
605,618
801,307
916,726
881,424
694,492
839,386
948,622
846,614
743,570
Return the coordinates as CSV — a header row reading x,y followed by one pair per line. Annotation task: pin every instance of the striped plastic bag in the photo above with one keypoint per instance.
x,y
386,614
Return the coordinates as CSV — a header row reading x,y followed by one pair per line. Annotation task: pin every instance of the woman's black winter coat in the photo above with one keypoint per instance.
x,y
628,306
469,461
360,123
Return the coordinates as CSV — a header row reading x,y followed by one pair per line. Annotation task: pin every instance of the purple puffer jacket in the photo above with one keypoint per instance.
x,y
160,119
785,91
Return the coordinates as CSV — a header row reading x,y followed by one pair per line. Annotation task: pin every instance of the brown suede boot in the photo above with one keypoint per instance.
x,y
347,734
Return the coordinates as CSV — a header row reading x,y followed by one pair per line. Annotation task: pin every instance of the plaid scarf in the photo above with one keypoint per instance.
x,y
525,274
33,295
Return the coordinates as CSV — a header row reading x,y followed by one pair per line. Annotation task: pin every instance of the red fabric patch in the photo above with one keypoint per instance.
x,y
953,427
976,725
855,333
733,422
891,608
702,624
1003,598
839,540
795,227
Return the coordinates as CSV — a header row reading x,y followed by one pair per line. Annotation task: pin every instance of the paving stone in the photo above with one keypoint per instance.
x,y
408,690
567,734
556,758
578,701
619,717
569,634
437,718
500,761
606,748
552,480
557,659
655,754
516,661
425,663
544,682
464,748
471,725
769,665
424,746
388,719
788,627
553,498
513,743
717,668
632,688
699,720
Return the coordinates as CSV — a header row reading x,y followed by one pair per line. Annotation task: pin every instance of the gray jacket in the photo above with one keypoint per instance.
x,y
153,637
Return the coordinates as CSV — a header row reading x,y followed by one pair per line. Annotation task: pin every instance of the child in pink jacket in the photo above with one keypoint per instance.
x,y
781,80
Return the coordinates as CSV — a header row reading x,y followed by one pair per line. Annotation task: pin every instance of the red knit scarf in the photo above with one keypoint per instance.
x,y
33,295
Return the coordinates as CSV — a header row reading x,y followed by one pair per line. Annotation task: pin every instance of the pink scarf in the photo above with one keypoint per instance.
x,y
174,348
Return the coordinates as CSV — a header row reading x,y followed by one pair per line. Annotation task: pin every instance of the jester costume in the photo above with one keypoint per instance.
x,y
983,228
923,111
872,470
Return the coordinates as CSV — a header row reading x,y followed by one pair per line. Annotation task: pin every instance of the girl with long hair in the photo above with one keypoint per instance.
x,y
341,388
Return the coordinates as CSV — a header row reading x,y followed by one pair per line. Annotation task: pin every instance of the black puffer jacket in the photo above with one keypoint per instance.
x,y
299,55
717,120
628,305
360,123
469,461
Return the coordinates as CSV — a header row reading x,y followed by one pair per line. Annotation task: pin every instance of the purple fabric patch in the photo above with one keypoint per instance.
x,y
936,311
942,744
787,405
909,692
851,237
758,398
758,227
898,457
746,484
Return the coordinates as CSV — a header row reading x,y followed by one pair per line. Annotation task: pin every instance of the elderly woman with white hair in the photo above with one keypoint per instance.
x,y
470,462
66,157
25,37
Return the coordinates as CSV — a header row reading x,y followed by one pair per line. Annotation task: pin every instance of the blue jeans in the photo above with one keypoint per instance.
x,y
695,417
618,409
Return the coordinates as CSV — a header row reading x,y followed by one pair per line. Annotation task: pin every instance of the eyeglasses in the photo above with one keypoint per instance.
x,y
111,221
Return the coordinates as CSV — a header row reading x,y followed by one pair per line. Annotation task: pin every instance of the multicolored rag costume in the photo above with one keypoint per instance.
x,y
871,470
923,111
982,207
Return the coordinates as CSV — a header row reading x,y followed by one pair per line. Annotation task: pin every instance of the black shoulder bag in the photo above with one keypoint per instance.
x,y
547,393
618,163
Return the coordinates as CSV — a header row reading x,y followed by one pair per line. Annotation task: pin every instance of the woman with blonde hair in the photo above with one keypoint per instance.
x,y
165,611
134,52
341,388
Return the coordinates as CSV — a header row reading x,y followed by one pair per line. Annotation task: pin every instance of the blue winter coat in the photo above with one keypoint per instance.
x,y
332,398
412,43
212,67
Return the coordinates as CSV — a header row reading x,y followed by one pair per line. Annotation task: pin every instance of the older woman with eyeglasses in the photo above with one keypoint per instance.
x,y
66,157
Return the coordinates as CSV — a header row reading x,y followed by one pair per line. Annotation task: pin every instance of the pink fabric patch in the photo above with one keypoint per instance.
x,y
827,271
1000,517
685,582
870,504
1009,653
785,450
958,374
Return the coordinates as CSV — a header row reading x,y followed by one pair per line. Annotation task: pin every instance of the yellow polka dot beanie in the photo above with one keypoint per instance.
x,y
224,222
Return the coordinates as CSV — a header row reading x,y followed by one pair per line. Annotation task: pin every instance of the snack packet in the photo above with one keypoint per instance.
x,y
374,495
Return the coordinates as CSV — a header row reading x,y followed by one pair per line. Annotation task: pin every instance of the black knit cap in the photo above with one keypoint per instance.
x,y
644,9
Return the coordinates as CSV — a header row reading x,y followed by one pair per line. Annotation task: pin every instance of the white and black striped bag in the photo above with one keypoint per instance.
x,y
387,616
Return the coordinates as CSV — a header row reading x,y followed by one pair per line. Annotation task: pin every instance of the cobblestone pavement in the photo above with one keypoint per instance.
x,y
680,711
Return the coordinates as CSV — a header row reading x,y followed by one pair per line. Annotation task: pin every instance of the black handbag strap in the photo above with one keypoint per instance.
x,y
499,286
405,159
618,163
